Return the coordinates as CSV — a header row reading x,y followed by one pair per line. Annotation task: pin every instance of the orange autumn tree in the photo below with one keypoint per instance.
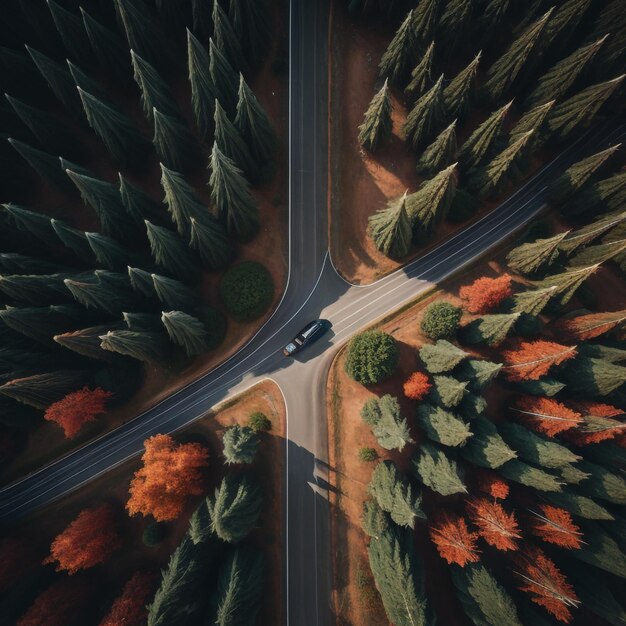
x,y
485,294
455,543
491,484
585,327
596,423
129,609
546,585
546,415
417,386
497,527
77,408
87,541
171,473
530,360
555,525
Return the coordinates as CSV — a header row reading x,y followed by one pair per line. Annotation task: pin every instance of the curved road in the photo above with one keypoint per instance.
x,y
314,290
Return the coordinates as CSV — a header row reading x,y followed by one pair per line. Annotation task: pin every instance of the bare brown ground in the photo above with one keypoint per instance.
x,y
40,528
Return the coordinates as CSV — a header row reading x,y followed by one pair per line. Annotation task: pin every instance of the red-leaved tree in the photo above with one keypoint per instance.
x,y
497,527
417,386
596,424
530,360
129,609
585,327
486,294
87,541
171,473
62,604
77,408
555,525
455,543
546,585
546,415
492,484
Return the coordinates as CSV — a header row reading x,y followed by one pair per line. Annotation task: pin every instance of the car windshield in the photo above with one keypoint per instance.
x,y
290,347
309,331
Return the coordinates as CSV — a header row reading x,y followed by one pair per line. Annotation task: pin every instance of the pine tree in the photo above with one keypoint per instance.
x,y
201,19
374,520
578,505
42,323
35,224
377,125
200,524
533,120
388,426
143,346
601,551
71,29
390,229
173,294
581,108
103,290
424,21
186,331
86,341
438,471
533,301
486,448
454,23
447,391
42,390
546,387
120,136
430,204
252,23
155,94
478,373
504,72
240,444
45,164
231,143
482,142
235,508
421,79
14,263
203,91
568,282
597,597
108,252
490,329
531,257
138,204
608,194
140,322
563,24
224,78
599,254
74,239
209,239
232,197
493,14
226,40
558,80
457,95
602,484
36,289
441,356
438,154
426,117
401,52
610,20
530,476
88,84
442,426
169,251
174,144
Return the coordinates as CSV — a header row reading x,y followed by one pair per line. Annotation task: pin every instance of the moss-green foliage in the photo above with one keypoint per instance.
x,y
368,455
241,444
438,471
486,448
384,418
247,290
441,356
390,229
377,125
374,520
442,426
441,320
371,356
259,422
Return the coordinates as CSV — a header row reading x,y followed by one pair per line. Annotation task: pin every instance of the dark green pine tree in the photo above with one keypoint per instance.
x,y
88,84
601,550
170,251
109,253
73,239
141,322
581,237
251,20
442,356
442,426
33,223
181,200
424,21
492,16
45,164
457,95
533,120
18,70
203,91
226,39
241,444
557,81
201,19
401,52
209,239
42,390
504,72
575,176
607,194
384,417
440,153
482,142
390,229
429,205
224,78
589,377
154,91
86,341
563,23
578,505
421,79
374,520
486,448
72,31
237,598
610,20
437,471
199,524
530,476
174,144
490,329
546,387
186,331
231,143
232,197
235,507
173,294
581,108
254,125
603,484
143,346
141,281
531,257
478,373
35,289
138,204
120,136
15,263
533,301
454,24
427,116
104,291
377,124
599,253
447,391
567,282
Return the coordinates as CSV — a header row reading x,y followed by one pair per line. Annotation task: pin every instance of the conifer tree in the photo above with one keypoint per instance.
x,y
601,377
241,444
421,79
14,263
602,484
155,94
37,289
581,108
533,120
203,91
441,356
482,142
438,154
601,550
597,597
504,72
232,197
88,84
454,23
374,520
71,29
493,14
181,201
170,252
457,95
568,282
563,23
252,23
86,341
231,143
533,301
209,239
199,524
141,281
143,346
486,448
73,239
530,476
388,426
437,471
140,322
224,77
401,52
226,40
490,329
45,164
447,391
108,252
424,21
426,117
478,373
390,229
528,258
35,224
608,194
578,505
186,331
103,290
174,144
235,508
120,136
138,204
558,80
599,253
377,125
173,294
42,390
442,426
42,323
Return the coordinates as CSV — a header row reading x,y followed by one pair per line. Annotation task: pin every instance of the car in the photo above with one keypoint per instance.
x,y
308,335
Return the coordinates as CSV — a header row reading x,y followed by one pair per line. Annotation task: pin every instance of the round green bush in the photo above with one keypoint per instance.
x,y
371,357
368,455
259,421
247,290
441,320
154,534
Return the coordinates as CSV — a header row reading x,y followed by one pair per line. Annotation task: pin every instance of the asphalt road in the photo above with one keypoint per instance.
x,y
314,290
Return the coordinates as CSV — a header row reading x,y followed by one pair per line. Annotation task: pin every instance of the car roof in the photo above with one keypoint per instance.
x,y
310,328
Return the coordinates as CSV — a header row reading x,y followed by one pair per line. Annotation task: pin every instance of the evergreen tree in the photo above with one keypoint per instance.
x,y
103,290
394,495
120,136
141,281
533,120
401,52
155,94
602,484
430,204
232,197
533,301
563,23
174,144
74,239
46,165
441,356
448,391
547,387
454,23
482,142
597,597
578,505
529,476
421,79
209,239
493,14
424,20
86,341
568,282
374,520
186,331
600,550
426,117
36,289
138,204
390,229
143,346
504,72
478,373
34,224
438,154
203,91
536,449
201,19
88,84
490,329
226,40
235,508
224,78
377,125
457,95
200,524
72,31
252,22
173,294
42,390
442,426
486,448
608,194
108,252
387,424
231,143
14,263
42,323
438,471
599,254
170,252
581,108
140,322
240,444
530,257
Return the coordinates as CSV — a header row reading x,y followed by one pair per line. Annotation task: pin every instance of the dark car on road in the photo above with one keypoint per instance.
x,y
308,335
